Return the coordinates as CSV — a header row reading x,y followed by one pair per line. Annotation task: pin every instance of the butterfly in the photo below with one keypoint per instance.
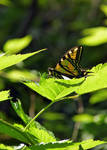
x,y
69,65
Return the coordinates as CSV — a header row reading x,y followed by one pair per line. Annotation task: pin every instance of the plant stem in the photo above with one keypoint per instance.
x,y
37,115
77,124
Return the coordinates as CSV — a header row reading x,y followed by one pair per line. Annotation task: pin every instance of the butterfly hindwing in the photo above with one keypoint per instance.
x,y
65,66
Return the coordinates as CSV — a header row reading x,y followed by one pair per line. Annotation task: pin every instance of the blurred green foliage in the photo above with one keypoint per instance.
x,y
29,25
4,95
16,45
94,36
99,96
6,2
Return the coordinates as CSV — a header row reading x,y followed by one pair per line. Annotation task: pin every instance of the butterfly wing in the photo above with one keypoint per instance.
x,y
69,64
66,68
75,54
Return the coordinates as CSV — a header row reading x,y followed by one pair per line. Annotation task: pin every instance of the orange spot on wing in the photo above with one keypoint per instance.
x,y
57,67
73,55
71,68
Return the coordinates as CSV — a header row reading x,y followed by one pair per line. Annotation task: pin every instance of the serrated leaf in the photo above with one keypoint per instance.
x,y
16,133
19,110
54,89
37,130
13,46
7,61
90,143
41,134
62,145
57,89
96,81
67,145
4,95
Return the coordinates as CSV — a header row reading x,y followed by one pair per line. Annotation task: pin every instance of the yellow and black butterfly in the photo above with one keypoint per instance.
x,y
69,65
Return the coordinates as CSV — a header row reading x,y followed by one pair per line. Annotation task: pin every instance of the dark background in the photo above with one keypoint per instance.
x,y
56,25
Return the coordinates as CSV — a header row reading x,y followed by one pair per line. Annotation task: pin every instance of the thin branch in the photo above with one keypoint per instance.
x,y
77,124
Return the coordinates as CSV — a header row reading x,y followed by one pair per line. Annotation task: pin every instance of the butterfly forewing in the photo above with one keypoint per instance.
x,y
78,55
72,53
75,54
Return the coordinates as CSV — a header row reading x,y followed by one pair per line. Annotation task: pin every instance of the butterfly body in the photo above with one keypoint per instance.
x,y
69,65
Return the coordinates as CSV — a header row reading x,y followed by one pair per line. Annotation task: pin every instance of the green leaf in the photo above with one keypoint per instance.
x,y
4,147
53,116
104,9
57,89
21,75
38,131
21,146
98,96
41,133
80,147
62,145
7,61
19,110
90,143
16,45
4,95
54,89
6,2
87,118
16,133
96,81
83,118
66,145
94,36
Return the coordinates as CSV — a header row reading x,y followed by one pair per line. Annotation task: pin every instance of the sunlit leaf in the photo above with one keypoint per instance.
x,y
17,133
4,95
53,116
19,110
87,118
7,61
19,75
66,145
54,89
100,118
99,96
13,46
57,89
41,134
104,9
37,130
83,118
4,147
94,36
97,80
